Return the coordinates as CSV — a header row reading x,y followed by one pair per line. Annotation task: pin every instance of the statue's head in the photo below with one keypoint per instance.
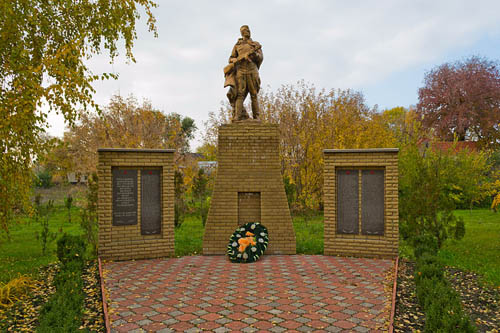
x,y
245,31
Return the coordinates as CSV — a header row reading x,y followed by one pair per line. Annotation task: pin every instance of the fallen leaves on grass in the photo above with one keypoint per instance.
x,y
12,291
23,315
388,286
481,302
93,317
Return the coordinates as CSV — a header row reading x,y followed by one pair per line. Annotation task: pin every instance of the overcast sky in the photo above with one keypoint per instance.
x,y
381,48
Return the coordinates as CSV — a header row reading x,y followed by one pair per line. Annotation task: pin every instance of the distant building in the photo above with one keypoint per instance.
x,y
74,178
445,146
207,166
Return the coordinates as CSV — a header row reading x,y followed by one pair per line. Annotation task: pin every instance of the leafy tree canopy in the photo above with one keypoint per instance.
x,y
463,99
123,123
43,46
310,120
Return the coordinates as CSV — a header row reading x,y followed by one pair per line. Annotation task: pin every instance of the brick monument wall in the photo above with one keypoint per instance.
x,y
249,184
361,202
136,240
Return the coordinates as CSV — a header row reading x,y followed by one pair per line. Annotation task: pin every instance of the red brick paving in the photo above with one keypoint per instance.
x,y
198,293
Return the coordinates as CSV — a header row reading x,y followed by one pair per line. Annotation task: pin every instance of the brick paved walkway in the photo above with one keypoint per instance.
x,y
278,293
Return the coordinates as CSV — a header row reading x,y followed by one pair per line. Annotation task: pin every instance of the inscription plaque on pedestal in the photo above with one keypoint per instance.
x,y
372,205
347,202
248,207
124,196
150,202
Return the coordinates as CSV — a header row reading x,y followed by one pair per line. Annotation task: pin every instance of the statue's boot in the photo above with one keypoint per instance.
x,y
241,113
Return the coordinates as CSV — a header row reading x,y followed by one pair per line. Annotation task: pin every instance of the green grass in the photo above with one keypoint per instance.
x,y
479,250
309,234
23,254
189,236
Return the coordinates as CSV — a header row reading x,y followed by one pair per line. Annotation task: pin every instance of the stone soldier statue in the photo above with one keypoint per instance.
x,y
242,74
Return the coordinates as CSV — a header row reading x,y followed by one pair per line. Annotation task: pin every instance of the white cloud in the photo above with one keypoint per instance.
x,y
356,44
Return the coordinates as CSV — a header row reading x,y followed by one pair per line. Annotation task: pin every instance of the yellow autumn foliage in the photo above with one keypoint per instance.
x,y
44,51
12,291
124,123
310,121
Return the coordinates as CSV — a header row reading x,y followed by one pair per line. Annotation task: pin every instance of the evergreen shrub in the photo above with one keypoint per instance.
x,y
71,249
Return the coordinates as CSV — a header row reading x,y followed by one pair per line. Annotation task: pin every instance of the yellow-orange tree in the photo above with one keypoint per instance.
x,y
43,45
122,124
311,120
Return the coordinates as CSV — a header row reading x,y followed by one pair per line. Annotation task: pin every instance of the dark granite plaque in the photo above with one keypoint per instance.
x,y
124,196
347,202
372,202
150,202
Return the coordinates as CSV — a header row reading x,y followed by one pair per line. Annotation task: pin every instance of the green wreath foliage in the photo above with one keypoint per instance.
x,y
258,243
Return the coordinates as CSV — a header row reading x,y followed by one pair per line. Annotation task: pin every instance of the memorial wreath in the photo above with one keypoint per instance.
x,y
248,243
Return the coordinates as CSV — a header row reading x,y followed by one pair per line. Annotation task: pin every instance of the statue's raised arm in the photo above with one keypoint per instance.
x,y
242,74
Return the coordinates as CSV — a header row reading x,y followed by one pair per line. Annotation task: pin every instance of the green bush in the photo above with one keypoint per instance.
x,y
429,268
204,213
291,192
70,249
179,204
43,179
443,310
68,203
178,215
88,215
444,313
42,216
424,244
431,185
429,289
63,311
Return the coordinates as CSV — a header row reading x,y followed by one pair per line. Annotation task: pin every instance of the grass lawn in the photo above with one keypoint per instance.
x,y
479,250
23,254
309,235
189,236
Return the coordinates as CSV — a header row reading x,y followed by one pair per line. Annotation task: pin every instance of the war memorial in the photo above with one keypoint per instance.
x,y
248,215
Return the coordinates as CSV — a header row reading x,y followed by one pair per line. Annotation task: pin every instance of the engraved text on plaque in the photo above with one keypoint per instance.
x,y
124,196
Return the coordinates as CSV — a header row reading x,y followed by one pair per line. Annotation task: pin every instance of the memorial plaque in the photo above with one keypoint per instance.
x,y
372,205
124,196
347,202
248,207
150,202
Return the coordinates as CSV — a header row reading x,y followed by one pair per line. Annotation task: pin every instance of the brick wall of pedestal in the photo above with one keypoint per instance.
x,y
248,161
359,245
126,242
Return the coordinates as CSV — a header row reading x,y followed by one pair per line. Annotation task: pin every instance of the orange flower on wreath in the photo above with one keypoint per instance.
x,y
244,242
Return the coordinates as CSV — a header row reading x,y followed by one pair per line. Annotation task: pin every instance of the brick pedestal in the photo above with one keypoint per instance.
x,y
248,171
